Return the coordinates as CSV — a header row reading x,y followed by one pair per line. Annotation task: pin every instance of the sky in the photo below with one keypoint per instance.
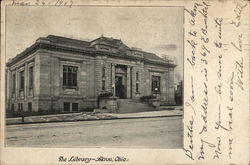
x,y
154,29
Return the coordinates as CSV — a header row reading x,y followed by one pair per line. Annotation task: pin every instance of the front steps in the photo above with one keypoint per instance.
x,y
131,106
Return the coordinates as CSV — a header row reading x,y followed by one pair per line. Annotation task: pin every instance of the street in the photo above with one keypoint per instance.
x,y
163,132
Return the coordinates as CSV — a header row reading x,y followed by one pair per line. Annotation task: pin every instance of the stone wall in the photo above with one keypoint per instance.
x,y
27,95
51,72
167,82
48,92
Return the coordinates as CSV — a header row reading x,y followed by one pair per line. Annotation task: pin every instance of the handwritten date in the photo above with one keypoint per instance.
x,y
66,3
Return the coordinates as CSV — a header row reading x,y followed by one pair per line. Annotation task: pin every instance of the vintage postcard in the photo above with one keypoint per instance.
x,y
124,82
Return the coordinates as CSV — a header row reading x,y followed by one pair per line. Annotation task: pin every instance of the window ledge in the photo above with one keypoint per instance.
x,y
71,87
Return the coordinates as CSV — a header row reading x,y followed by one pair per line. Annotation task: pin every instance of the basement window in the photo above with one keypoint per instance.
x,y
74,106
66,107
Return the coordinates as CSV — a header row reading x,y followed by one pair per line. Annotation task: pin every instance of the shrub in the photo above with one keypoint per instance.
x,y
87,109
105,94
147,98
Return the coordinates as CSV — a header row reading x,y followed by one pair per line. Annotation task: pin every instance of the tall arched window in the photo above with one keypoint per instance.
x,y
137,82
31,77
21,77
13,85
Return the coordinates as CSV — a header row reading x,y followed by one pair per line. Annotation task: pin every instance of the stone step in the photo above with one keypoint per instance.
x,y
128,101
125,100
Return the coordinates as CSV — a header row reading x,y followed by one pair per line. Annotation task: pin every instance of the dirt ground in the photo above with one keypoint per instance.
x,y
164,132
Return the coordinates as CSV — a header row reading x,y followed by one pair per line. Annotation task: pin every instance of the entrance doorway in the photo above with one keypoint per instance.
x,y
119,87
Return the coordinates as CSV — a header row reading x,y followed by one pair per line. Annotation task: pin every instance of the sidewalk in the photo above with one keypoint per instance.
x,y
162,113
92,116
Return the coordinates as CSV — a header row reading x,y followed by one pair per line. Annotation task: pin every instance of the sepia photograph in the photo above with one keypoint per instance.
x,y
124,82
95,76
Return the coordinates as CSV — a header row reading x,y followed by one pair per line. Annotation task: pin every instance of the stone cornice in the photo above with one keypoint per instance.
x,y
23,54
60,48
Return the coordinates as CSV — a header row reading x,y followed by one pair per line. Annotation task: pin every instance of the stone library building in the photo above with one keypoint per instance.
x,y
63,74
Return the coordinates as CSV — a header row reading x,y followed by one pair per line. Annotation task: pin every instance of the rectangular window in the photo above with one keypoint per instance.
x,y
156,83
103,85
13,85
30,77
69,76
21,80
74,106
103,72
137,76
137,87
30,107
66,107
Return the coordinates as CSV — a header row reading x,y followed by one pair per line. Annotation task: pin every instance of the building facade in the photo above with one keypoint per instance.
x,y
63,74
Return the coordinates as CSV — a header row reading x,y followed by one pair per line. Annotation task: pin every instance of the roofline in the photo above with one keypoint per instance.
x,y
24,53
66,38
105,45
54,47
96,39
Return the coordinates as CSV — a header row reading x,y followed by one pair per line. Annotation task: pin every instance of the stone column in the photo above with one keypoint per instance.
x,y
133,82
26,81
171,86
98,74
128,82
108,77
113,78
